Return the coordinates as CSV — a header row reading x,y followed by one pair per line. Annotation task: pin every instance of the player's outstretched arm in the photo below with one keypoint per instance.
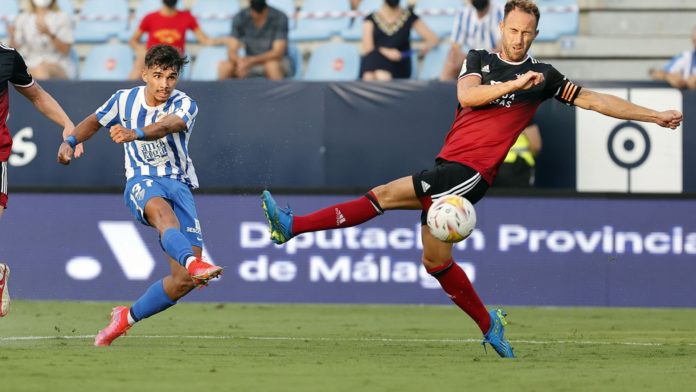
x,y
82,132
470,91
169,124
49,107
620,108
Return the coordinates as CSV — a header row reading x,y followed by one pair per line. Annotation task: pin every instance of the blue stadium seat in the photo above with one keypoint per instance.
x,y
9,9
333,61
354,32
101,20
321,28
205,67
440,24
433,62
287,6
214,16
67,6
558,18
108,62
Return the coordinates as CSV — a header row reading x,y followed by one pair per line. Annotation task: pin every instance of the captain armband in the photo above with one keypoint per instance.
x,y
568,92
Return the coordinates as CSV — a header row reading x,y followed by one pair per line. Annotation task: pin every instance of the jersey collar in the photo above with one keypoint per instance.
x,y
526,57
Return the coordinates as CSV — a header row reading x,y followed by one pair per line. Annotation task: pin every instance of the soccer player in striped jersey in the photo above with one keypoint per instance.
x,y
498,94
154,123
475,27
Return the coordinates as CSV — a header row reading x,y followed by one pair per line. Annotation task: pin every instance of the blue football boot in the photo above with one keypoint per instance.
x,y
279,220
496,334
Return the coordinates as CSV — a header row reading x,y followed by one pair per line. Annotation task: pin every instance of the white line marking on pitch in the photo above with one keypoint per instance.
x,y
327,339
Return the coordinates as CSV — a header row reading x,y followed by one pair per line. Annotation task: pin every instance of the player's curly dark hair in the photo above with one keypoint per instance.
x,y
165,57
524,6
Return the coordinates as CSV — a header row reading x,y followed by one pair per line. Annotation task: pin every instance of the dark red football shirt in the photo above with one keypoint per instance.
x,y
13,70
481,136
170,30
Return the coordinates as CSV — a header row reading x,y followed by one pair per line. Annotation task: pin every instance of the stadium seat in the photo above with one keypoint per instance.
x,y
433,62
440,24
205,67
214,16
100,20
354,32
108,62
333,61
558,18
310,29
9,9
67,7
287,6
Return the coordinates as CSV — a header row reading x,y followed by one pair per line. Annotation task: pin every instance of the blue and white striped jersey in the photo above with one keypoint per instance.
x,y
473,33
164,157
683,63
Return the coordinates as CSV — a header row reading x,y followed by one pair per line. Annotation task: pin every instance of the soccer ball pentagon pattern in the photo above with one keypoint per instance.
x,y
451,218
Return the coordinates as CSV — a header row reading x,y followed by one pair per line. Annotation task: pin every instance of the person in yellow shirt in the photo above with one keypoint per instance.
x,y
517,171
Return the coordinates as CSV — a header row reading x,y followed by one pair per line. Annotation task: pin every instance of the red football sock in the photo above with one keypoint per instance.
x,y
456,284
346,214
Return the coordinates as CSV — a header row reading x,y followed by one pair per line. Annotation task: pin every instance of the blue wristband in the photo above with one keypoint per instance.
x,y
139,134
72,141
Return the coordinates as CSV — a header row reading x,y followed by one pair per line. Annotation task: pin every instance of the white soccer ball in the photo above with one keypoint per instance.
x,y
451,218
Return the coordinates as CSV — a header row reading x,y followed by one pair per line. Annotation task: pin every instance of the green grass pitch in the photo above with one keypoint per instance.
x,y
47,346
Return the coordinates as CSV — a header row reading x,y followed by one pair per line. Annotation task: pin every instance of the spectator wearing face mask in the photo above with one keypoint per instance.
x,y
476,26
386,42
44,36
263,33
166,26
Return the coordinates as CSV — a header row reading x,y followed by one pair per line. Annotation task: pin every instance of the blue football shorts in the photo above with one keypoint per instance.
x,y
140,189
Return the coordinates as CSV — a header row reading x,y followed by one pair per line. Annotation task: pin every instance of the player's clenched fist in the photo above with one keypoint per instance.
x,y
670,119
65,153
121,134
528,80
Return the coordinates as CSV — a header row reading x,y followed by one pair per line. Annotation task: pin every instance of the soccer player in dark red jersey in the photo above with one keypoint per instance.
x,y
498,94
14,70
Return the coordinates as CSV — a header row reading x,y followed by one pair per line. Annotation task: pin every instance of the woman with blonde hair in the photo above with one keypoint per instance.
x,y
44,36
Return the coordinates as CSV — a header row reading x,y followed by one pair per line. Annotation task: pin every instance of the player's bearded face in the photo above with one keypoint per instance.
x,y
518,31
159,84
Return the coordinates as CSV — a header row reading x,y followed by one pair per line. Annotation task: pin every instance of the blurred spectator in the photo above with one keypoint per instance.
x,y
517,170
680,72
167,26
476,26
263,32
354,4
44,36
387,45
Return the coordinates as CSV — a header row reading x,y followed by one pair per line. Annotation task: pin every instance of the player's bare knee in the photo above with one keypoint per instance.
x,y
432,263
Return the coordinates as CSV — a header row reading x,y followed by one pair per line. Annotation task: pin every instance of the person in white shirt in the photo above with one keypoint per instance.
x,y
476,26
44,36
680,72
